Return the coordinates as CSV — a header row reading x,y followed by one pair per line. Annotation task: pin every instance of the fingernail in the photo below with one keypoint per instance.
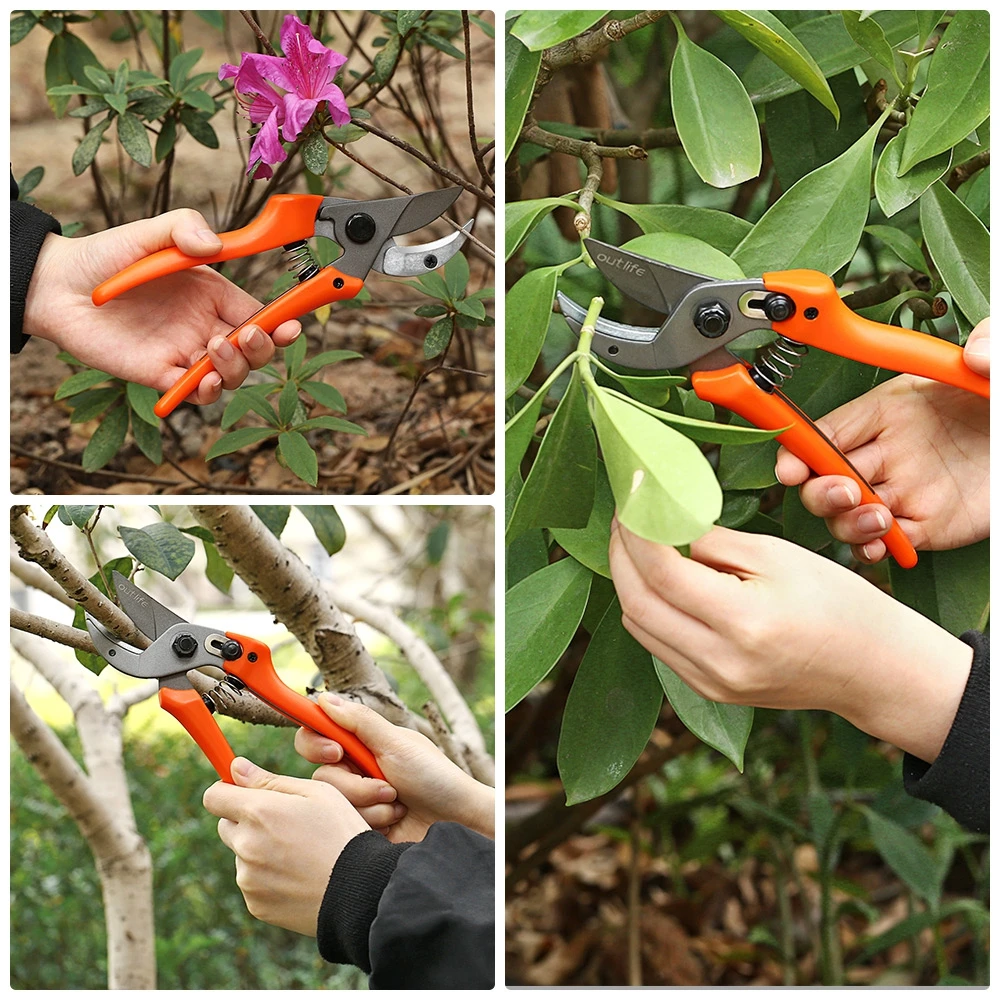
x,y
871,521
253,338
979,349
207,236
214,380
297,332
866,553
386,793
331,699
332,753
243,767
398,812
222,348
843,496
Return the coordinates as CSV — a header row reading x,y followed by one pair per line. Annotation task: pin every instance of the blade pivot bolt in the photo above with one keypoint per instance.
x,y
360,227
712,319
184,645
778,307
230,650
430,262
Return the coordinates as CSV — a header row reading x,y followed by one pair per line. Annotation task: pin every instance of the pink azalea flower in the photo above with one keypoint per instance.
x,y
305,73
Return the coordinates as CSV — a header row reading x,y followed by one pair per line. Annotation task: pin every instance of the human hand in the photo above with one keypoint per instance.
x,y
427,786
154,333
287,834
755,620
923,446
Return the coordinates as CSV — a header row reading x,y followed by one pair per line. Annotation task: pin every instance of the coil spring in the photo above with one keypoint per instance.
x,y
301,260
780,362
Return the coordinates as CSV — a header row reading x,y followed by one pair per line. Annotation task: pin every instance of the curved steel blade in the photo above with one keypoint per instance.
x,y
122,657
424,208
604,328
150,617
408,262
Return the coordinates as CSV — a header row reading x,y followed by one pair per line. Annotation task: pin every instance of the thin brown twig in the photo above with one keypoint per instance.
x,y
256,29
578,147
470,110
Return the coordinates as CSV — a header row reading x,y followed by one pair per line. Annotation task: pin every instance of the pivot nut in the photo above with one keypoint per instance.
x,y
778,307
230,650
712,320
184,645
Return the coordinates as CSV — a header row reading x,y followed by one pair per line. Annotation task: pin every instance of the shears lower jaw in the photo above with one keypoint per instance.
x,y
400,261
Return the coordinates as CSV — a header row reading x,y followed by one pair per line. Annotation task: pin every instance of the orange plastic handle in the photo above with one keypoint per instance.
x,y
822,320
193,714
327,286
255,669
735,389
286,218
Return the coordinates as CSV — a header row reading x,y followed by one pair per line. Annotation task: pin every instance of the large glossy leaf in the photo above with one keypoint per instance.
x,y
518,433
959,245
782,47
835,51
719,229
951,588
521,70
160,547
665,489
726,728
818,222
610,712
802,136
715,120
559,490
529,305
686,251
527,554
589,545
540,29
520,217
893,192
543,612
868,35
957,97
654,390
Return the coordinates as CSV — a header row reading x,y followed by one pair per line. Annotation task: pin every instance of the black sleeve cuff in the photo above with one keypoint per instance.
x,y
959,780
28,228
352,896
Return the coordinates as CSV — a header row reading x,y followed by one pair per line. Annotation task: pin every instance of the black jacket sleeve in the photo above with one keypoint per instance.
x,y
28,228
959,780
414,916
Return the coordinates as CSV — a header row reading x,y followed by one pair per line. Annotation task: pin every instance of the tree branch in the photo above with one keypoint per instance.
x,y
964,171
23,621
586,47
578,147
34,576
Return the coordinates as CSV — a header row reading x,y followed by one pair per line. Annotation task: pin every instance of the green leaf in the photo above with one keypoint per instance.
x,y
406,19
927,21
98,76
559,490
181,66
530,300
438,337
87,405
437,542
442,44
665,489
715,120
894,193
330,424
329,528
107,440
78,514
868,35
472,308
385,61
275,517
237,439
719,229
902,245
909,928
957,97
148,439
57,72
959,245
142,399
818,222
160,547
767,33
520,217
288,402
219,572
543,612
686,251
80,381
541,29
30,181
456,275
344,134
245,399
519,432
653,390
520,71
315,154
801,527
166,139
201,100
84,154
198,127
725,728
132,135
950,587
323,359
326,395
589,545
738,507
907,856
299,456
20,26
610,712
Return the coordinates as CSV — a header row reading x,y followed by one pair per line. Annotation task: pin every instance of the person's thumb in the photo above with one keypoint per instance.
x,y
246,774
378,734
977,349
184,228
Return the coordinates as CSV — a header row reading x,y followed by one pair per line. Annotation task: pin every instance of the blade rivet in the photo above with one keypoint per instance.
x,y
430,261
360,227
613,349
184,645
712,319
338,282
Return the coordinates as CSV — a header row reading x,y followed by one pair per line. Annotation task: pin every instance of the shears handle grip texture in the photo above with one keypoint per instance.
x,y
285,218
327,286
821,319
735,389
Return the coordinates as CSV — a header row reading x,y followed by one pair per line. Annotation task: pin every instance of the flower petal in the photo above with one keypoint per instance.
x,y
339,111
267,144
298,111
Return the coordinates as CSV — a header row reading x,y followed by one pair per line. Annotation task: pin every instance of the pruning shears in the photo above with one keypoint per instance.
x,y
802,307
365,231
178,646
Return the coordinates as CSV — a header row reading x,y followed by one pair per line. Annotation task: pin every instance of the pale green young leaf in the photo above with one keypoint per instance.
x,y
520,217
589,544
521,70
541,29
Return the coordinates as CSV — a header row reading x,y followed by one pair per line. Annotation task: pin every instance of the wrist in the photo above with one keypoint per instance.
x,y
478,813
42,288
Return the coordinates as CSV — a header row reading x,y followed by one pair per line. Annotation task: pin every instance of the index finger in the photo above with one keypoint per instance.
x,y
230,801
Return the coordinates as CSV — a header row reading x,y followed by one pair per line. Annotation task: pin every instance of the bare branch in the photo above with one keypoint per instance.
x,y
23,621
443,738
964,171
578,147
34,576
256,29
586,47
242,705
